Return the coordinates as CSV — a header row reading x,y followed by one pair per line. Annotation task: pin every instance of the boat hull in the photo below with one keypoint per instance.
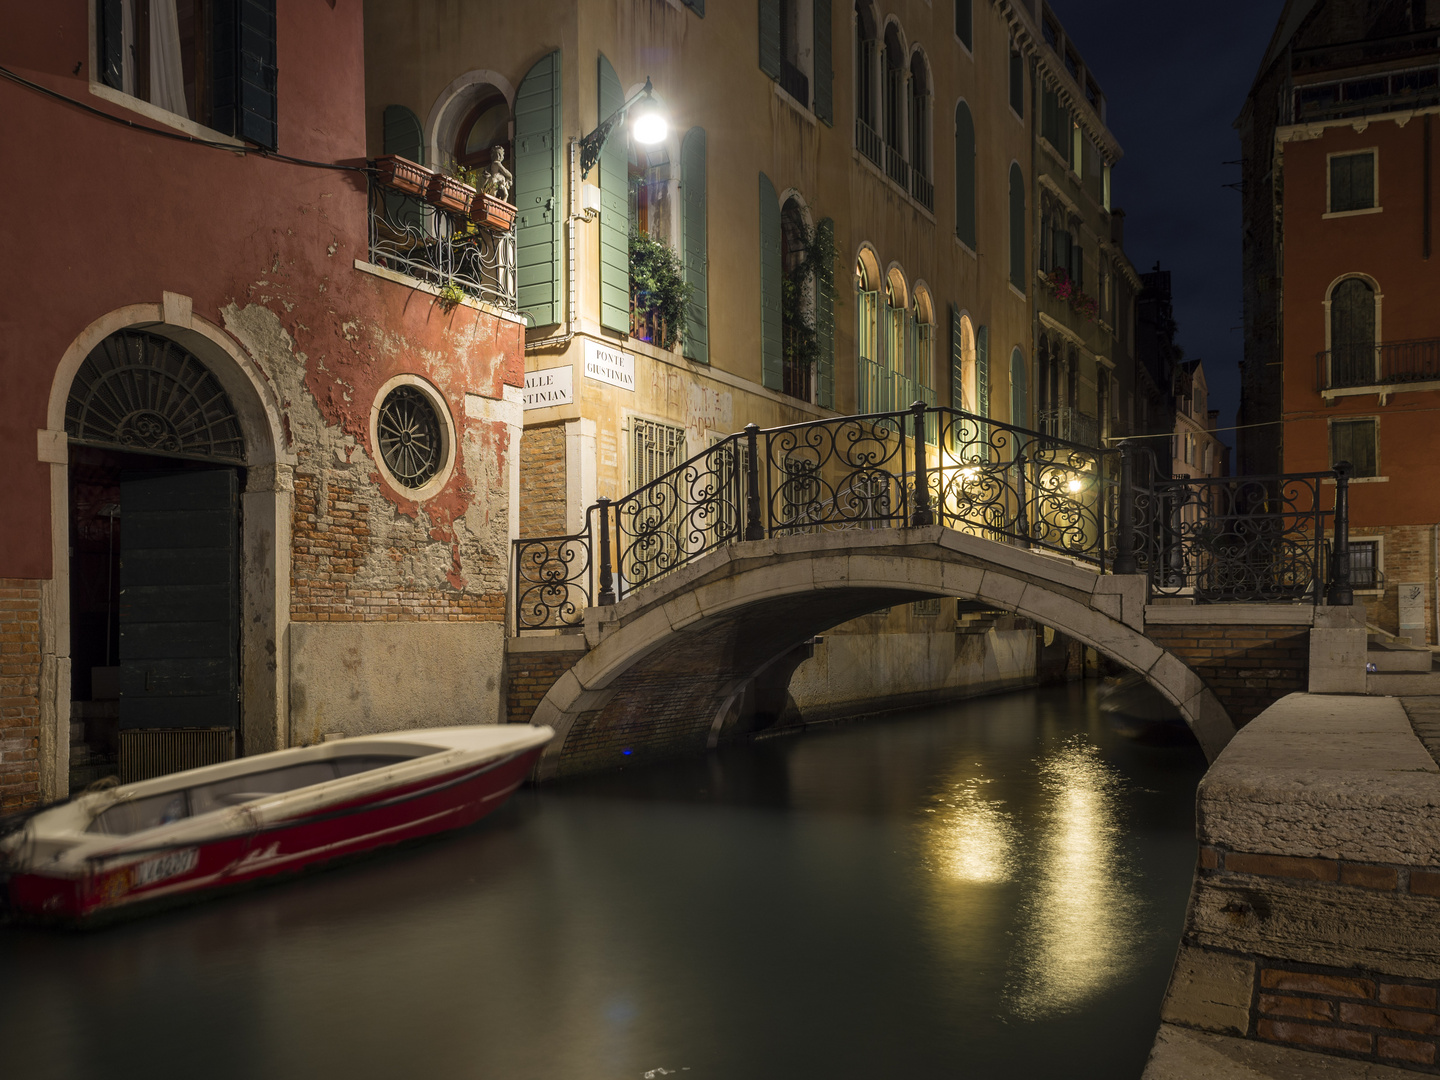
x,y
435,804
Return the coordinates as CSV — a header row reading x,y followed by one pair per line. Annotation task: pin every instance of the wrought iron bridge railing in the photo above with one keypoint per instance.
x,y
412,237
1393,363
1247,539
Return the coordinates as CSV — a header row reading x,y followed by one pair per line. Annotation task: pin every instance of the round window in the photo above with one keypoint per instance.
x,y
411,436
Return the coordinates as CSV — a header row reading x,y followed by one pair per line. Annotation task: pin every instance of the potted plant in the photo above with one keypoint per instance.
x,y
658,290
450,194
402,174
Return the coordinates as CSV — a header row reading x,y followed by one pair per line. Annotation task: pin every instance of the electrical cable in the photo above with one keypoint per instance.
x,y
15,77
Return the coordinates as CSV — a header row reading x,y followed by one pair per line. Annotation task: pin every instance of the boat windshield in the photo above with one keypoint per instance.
x,y
135,815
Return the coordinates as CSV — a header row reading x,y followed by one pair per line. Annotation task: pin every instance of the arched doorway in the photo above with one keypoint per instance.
x,y
154,411
156,468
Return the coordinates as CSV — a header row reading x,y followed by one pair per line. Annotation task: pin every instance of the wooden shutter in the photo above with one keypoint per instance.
x,y
109,44
614,210
1017,227
957,363
538,197
824,66
770,284
243,102
694,244
770,37
965,224
402,134
982,370
825,317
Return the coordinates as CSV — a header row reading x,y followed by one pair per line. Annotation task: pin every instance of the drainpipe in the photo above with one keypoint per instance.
x,y
1435,575
559,341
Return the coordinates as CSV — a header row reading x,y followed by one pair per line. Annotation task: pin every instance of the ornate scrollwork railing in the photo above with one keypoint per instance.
x,y
411,237
1215,539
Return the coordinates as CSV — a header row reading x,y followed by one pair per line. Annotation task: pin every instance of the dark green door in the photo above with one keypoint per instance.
x,y
180,601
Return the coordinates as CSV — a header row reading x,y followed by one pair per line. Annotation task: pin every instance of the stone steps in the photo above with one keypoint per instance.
x,y
1398,658
1403,683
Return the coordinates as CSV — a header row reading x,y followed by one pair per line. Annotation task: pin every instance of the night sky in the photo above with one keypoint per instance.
x,y
1176,76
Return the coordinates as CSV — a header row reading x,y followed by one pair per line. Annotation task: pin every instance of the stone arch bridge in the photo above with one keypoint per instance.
x,y
1037,531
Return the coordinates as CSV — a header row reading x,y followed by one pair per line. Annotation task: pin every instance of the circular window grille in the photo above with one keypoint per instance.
x,y
142,392
410,434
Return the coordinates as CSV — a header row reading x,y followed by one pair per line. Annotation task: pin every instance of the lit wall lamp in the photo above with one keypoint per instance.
x,y
648,126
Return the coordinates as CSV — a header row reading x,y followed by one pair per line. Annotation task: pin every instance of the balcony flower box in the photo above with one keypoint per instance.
x,y
402,174
493,213
449,194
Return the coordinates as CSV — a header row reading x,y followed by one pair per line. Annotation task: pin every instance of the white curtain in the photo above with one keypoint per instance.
x,y
167,75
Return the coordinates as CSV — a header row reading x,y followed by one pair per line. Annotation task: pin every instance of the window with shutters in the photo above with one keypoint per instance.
x,y
1358,442
794,51
797,310
1353,354
651,206
1017,227
210,61
965,23
795,37
894,98
867,84
694,228
965,216
963,387
923,351
1056,127
896,320
871,377
1352,183
921,186
1017,80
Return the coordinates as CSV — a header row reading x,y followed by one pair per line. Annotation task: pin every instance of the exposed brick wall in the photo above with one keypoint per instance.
x,y
1249,668
542,481
1352,1012
529,676
331,574
19,693
1406,557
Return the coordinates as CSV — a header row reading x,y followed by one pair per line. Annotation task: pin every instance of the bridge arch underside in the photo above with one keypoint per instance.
x,y
664,665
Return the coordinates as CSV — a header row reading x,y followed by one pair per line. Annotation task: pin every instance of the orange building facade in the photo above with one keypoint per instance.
x,y
1355,172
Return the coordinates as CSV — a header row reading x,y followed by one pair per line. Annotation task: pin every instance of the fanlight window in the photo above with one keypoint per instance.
x,y
411,436
143,393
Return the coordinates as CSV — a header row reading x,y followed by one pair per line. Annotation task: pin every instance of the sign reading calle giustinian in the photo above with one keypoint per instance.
x,y
551,386
608,365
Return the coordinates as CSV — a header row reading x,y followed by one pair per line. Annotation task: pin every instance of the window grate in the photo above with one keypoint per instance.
x,y
1365,564
655,449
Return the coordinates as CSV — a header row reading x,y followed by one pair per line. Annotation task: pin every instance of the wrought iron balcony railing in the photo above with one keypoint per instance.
x,y
922,189
412,237
1393,363
1365,95
897,168
868,140
1070,424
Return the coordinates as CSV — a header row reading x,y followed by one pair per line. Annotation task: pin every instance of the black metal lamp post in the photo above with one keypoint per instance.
x,y
649,127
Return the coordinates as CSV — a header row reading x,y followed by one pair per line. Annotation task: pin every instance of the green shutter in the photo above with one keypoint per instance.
x,y
770,318
982,370
402,134
824,93
825,317
538,200
693,242
614,210
957,362
1017,227
965,176
770,37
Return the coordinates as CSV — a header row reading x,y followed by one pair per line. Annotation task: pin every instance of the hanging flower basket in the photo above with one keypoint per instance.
x,y
449,194
493,213
402,174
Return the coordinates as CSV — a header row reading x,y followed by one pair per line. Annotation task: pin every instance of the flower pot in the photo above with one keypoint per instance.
x,y
402,174
493,213
450,194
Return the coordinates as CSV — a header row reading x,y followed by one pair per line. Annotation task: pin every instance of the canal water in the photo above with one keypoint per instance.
x,y
993,888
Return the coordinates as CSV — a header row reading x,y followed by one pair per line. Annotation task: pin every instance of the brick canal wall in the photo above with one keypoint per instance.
x,y
1316,894
1248,667
532,664
19,693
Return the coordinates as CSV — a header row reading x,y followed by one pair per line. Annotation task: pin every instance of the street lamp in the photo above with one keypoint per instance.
x,y
648,127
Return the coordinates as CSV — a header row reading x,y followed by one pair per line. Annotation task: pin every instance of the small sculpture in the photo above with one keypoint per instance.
x,y
497,178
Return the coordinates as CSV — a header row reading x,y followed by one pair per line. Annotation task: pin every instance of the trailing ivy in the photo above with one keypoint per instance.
x,y
817,256
658,287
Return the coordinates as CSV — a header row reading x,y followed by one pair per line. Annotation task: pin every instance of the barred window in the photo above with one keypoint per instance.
x,y
927,607
1365,564
655,449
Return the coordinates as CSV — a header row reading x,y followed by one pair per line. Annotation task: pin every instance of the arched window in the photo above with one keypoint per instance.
x,y
965,218
1352,333
651,211
797,303
485,126
867,331
963,388
896,317
1017,227
920,185
893,111
867,65
923,341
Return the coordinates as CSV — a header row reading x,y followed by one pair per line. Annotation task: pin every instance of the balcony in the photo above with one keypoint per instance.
x,y
1366,95
1378,368
868,140
897,168
457,255
883,389
1071,424
923,190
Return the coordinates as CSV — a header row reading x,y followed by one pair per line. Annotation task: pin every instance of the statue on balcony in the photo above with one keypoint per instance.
x,y
498,179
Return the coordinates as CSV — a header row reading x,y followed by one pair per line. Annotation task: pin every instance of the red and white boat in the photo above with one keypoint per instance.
x,y
206,829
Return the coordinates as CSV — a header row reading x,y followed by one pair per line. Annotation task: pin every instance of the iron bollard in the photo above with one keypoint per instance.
x,y
922,514
1340,591
607,577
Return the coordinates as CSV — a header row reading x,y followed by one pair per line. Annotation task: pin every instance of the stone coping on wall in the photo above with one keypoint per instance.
x,y
1310,928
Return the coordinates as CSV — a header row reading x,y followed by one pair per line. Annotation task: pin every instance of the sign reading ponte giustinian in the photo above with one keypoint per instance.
x,y
607,365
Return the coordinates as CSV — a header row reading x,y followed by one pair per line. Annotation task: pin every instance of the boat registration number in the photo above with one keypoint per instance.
x,y
171,864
